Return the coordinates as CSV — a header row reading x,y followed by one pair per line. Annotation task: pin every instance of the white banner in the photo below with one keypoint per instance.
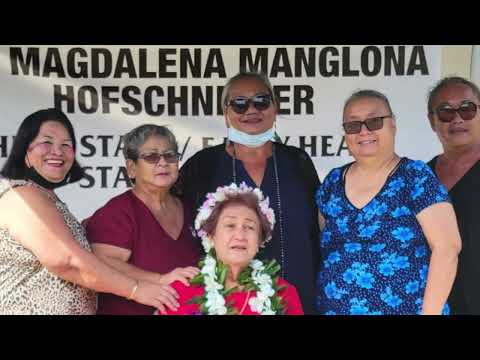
x,y
108,90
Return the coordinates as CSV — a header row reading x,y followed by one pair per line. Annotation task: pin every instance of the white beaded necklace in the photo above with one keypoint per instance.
x,y
279,204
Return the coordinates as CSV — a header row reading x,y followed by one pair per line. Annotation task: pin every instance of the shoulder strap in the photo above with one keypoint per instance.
x,y
7,184
4,186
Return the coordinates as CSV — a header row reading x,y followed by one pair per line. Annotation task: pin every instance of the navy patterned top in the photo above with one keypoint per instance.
x,y
376,258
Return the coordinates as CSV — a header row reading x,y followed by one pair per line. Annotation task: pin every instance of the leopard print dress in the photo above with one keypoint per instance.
x,y
26,286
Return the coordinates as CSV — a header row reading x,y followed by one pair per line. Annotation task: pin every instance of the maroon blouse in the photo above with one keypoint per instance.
x,y
125,221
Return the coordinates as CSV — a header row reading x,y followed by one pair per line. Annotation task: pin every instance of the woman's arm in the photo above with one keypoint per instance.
x,y
34,221
439,224
321,221
117,258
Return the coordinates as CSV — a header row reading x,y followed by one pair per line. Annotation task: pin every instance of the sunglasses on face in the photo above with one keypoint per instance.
x,y
372,124
153,158
467,111
240,104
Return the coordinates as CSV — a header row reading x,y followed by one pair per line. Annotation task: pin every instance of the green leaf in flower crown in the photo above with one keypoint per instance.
x,y
275,302
275,269
244,276
270,264
228,292
223,275
277,305
197,279
232,311
195,300
219,268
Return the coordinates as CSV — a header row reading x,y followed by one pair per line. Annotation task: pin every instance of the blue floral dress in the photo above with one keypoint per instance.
x,y
376,258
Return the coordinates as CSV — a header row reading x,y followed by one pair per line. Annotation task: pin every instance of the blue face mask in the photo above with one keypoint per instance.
x,y
249,140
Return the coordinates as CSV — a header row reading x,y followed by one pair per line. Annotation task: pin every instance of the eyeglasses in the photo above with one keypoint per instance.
x,y
372,124
153,158
240,104
467,111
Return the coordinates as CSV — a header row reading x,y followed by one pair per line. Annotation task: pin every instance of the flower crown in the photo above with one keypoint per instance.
x,y
221,195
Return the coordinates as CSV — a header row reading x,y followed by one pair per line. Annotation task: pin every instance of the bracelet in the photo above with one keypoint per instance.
x,y
134,290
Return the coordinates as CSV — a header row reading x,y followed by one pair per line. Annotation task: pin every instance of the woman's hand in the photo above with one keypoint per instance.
x,y
179,274
156,295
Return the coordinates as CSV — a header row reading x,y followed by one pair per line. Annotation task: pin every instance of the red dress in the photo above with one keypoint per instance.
x,y
238,299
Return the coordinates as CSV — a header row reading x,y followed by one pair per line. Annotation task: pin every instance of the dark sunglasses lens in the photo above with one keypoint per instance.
x,y
374,124
155,158
352,127
468,111
151,158
446,115
261,102
239,105
171,157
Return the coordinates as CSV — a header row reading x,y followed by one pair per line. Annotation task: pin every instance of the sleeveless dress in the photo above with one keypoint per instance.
x,y
28,287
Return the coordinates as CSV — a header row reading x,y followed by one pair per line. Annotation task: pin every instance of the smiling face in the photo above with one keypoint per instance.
x,y
370,143
253,121
237,235
458,133
51,152
162,174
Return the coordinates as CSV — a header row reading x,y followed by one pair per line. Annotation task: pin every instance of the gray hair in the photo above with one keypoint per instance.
x,y
135,138
450,80
242,75
367,93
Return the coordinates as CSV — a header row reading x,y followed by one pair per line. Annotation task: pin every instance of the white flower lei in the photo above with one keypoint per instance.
x,y
262,280
215,303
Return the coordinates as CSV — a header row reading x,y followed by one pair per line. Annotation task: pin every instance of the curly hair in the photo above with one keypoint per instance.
x,y
249,200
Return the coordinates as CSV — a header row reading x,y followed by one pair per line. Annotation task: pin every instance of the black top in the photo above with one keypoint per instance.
x,y
298,181
465,194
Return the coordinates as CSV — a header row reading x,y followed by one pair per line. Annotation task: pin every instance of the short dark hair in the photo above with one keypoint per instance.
x,y
249,200
15,166
367,93
450,80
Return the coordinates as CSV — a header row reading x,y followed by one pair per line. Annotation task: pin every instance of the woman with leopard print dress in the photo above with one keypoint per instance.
x,y
46,264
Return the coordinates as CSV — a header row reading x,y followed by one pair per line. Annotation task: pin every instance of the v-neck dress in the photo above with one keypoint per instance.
x,y
376,258
126,222
464,298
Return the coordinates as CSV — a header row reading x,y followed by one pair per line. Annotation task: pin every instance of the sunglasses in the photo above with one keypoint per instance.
x,y
467,111
240,104
372,124
153,158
